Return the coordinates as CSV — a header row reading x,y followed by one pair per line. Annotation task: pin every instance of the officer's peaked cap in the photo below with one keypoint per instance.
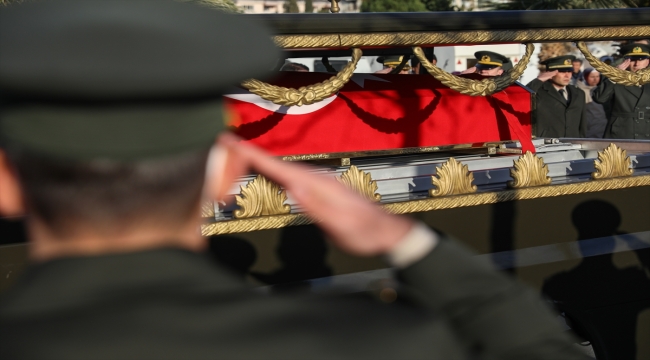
x,y
121,79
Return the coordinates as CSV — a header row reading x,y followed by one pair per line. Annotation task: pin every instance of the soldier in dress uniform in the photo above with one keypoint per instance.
x,y
630,116
417,66
489,64
560,109
392,62
109,147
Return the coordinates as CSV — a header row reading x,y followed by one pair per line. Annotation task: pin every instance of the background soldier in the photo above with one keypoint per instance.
x,y
560,108
489,64
393,62
630,117
417,66
106,147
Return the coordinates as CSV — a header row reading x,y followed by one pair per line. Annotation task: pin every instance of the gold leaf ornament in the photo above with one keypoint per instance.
x,y
529,170
622,77
487,86
361,182
612,162
305,95
437,203
261,197
207,209
452,178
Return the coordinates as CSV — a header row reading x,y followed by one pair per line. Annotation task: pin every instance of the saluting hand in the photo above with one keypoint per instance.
x,y
469,71
355,224
624,65
384,71
546,75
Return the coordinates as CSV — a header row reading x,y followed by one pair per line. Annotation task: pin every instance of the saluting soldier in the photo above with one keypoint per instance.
x,y
393,62
106,147
630,116
489,64
560,109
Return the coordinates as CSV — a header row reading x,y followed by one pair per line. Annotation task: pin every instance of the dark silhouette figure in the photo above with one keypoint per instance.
x,y
233,253
600,301
502,237
302,251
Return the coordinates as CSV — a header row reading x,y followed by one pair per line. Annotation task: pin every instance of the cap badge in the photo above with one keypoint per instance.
x,y
637,50
567,62
485,58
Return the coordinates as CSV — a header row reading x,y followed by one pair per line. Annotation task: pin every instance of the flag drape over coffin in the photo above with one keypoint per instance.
x,y
380,112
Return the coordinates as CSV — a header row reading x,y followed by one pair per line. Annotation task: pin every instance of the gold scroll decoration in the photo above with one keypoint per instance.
x,y
452,178
311,41
622,77
487,86
529,170
307,94
612,162
261,197
361,182
437,203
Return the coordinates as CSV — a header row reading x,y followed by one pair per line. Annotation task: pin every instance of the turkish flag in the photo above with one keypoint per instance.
x,y
380,112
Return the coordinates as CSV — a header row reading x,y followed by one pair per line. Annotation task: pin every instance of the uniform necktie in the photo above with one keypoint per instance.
x,y
564,95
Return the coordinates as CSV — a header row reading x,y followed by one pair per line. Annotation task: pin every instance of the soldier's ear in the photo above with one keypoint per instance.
x,y
224,166
11,196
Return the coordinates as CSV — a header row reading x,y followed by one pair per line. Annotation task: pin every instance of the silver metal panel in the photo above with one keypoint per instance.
x,y
408,177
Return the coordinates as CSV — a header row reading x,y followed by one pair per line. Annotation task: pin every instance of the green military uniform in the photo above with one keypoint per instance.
x,y
630,113
171,304
554,116
105,92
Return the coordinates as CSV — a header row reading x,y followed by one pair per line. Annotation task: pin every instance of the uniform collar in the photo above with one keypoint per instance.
x,y
75,282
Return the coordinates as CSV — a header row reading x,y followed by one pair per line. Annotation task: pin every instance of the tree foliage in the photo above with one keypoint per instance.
x,y
291,6
223,5
392,5
564,4
438,5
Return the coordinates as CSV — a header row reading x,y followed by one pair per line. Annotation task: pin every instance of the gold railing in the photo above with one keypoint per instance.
x,y
453,189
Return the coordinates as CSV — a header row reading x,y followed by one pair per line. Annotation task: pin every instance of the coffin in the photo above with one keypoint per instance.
x,y
380,112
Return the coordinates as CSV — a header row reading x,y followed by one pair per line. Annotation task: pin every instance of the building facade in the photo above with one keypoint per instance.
x,y
277,6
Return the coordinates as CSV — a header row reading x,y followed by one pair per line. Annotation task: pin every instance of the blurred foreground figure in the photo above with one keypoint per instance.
x,y
630,117
108,124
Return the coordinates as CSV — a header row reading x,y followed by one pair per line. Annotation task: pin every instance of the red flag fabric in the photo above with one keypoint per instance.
x,y
380,112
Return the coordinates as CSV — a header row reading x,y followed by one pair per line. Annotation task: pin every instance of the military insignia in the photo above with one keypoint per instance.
x,y
637,50
567,62
485,58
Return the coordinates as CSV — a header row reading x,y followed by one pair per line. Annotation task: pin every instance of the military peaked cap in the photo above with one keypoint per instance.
x,y
489,59
394,61
121,80
559,63
635,51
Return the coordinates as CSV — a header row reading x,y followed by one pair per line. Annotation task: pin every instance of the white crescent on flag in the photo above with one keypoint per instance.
x,y
247,96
